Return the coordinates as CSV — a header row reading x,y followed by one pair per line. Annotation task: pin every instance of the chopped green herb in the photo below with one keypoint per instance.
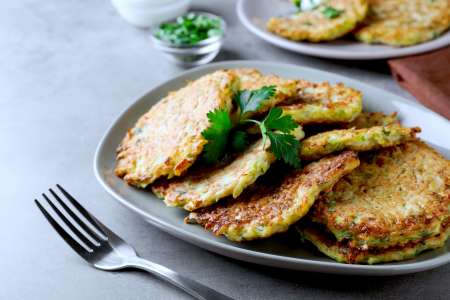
x,y
189,29
385,131
331,206
331,12
297,3
340,235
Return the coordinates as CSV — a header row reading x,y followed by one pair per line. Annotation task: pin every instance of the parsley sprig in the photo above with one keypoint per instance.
x,y
251,100
222,135
216,135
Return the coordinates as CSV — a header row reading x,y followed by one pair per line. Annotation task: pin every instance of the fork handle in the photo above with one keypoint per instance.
x,y
195,289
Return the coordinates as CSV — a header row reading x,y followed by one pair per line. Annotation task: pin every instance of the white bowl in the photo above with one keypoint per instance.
x,y
147,13
197,54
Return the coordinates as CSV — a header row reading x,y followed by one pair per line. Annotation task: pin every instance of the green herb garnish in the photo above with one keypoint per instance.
x,y
250,101
274,127
239,141
189,29
277,128
216,135
331,12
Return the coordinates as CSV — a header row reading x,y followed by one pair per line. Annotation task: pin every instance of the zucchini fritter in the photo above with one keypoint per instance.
x,y
372,119
205,186
404,22
268,209
252,79
397,195
167,139
364,139
329,21
324,103
363,120
342,252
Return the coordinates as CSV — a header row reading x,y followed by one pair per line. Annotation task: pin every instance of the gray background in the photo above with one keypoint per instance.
x,y
67,69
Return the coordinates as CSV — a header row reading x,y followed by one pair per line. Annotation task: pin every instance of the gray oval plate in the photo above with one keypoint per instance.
x,y
255,13
281,251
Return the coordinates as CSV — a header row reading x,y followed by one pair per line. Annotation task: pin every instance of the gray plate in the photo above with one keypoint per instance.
x,y
255,13
280,251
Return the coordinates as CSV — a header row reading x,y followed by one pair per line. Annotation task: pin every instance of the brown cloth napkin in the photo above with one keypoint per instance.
x,y
427,77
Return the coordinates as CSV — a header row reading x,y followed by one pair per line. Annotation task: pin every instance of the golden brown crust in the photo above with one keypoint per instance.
x,y
397,194
323,103
372,119
167,139
364,139
206,185
344,251
268,209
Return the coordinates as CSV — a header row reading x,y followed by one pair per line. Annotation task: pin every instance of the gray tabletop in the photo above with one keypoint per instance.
x,y
67,69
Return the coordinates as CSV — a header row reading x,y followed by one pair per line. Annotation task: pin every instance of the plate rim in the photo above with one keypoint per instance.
x,y
310,49
273,260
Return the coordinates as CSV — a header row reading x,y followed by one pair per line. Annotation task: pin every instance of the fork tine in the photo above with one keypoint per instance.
x,y
70,225
82,210
80,250
86,228
108,233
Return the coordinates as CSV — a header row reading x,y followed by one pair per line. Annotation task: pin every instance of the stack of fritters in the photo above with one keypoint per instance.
x,y
391,206
267,209
391,22
206,185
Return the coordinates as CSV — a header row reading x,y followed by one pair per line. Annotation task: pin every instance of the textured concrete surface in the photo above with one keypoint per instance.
x,y
67,69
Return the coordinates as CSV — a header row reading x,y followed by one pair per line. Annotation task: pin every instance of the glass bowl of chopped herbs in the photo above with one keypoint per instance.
x,y
192,39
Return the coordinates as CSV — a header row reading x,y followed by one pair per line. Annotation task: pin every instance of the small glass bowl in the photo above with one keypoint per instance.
x,y
192,55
